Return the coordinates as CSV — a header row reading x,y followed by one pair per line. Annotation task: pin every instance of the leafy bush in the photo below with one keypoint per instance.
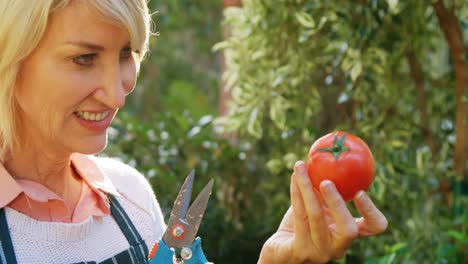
x,y
378,69
297,70
246,203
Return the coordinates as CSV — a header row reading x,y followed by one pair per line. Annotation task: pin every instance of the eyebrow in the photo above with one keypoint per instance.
x,y
90,45
85,44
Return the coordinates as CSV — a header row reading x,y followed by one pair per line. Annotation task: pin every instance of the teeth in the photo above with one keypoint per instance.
x,y
92,116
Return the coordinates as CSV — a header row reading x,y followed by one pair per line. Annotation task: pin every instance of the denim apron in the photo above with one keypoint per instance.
x,y
136,254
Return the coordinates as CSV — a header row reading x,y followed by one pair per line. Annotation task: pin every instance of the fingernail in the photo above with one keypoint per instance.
x,y
327,186
300,166
361,196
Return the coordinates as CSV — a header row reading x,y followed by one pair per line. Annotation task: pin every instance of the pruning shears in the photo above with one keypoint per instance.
x,y
179,243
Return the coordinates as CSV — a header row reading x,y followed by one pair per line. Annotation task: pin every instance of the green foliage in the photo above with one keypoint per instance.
x,y
180,63
183,93
240,214
298,70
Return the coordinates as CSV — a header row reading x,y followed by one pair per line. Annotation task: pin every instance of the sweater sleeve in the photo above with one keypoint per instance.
x,y
137,194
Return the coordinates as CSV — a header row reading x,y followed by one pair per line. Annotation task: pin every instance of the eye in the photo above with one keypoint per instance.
x,y
85,59
126,53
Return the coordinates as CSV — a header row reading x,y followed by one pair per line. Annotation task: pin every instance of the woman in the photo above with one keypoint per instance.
x,y
66,67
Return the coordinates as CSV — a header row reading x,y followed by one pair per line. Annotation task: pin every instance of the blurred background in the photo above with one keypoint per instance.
x,y
239,90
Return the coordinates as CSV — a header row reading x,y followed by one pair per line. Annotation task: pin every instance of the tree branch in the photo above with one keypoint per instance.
x,y
417,75
453,34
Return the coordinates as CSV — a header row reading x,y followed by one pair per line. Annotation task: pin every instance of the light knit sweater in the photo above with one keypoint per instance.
x,y
97,238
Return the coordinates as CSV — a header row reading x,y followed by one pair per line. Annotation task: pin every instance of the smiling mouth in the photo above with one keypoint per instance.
x,y
89,116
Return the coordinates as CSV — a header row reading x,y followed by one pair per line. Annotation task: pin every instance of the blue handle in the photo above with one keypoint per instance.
x,y
165,254
197,253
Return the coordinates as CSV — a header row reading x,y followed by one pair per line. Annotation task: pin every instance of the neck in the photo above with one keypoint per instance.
x,y
52,171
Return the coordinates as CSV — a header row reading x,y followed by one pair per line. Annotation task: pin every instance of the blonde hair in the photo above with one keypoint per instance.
x,y
22,25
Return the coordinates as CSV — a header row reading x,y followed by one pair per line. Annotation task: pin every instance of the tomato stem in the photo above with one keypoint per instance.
x,y
337,148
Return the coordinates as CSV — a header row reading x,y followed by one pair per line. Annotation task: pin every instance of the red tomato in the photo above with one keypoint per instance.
x,y
344,159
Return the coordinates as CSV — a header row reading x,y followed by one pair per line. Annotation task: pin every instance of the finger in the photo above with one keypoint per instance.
x,y
301,230
326,211
346,227
319,233
320,197
373,221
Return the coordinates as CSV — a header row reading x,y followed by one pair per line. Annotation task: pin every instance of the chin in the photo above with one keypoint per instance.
x,y
91,147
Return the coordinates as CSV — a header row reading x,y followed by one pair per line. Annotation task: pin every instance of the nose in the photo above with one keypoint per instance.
x,y
115,85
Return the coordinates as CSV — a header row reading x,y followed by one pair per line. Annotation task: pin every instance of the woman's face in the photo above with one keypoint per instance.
x,y
71,86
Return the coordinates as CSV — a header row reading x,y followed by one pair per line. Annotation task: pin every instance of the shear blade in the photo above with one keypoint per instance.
x,y
185,217
181,204
197,209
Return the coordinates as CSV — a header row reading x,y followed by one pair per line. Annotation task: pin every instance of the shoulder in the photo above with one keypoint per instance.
x,y
121,174
137,195
126,179
130,183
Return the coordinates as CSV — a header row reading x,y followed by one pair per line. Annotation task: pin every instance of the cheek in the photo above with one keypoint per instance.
x,y
46,101
78,85
38,118
31,102
51,120
25,93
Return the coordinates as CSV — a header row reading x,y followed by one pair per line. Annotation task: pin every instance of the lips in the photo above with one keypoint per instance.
x,y
95,121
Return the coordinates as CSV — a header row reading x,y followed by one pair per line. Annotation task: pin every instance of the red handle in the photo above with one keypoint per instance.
x,y
153,250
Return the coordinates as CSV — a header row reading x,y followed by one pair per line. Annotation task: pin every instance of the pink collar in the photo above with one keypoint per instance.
x,y
84,166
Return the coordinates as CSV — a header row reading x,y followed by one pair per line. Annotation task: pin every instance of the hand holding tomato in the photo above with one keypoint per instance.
x,y
344,159
318,227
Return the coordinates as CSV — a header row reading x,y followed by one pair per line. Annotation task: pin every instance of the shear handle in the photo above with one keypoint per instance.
x,y
163,254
